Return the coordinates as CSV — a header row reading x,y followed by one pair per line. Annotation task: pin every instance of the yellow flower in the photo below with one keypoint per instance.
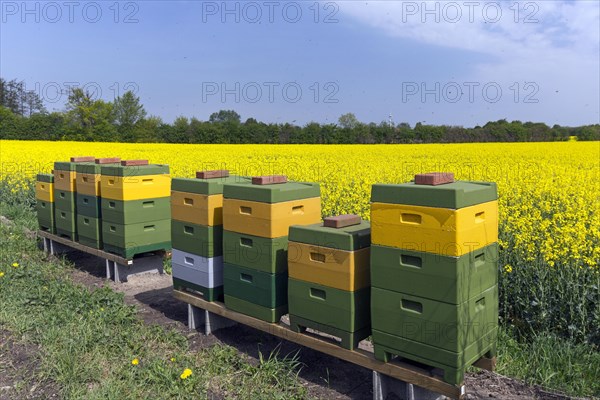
x,y
135,361
15,264
1,274
508,269
172,359
186,373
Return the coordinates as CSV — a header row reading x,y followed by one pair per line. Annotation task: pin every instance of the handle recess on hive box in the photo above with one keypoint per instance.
x,y
246,242
111,181
112,228
148,228
317,257
188,201
86,221
246,278
318,294
147,181
298,210
479,259
410,218
85,200
148,204
480,305
188,229
84,178
245,210
411,261
189,260
412,306
480,217
112,204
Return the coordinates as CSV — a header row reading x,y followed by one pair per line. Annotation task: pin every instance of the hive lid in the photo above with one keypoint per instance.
x,y
272,193
349,238
45,178
134,170
458,194
206,186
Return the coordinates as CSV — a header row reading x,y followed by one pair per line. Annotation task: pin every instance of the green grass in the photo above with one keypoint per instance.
x,y
88,339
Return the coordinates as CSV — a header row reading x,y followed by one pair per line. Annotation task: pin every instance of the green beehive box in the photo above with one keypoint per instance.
x,y
349,238
446,326
253,310
135,211
205,241
89,231
66,223
65,200
69,166
261,254
45,216
452,280
208,294
206,186
274,193
453,364
337,312
88,205
134,170
88,168
49,178
128,240
459,194
257,287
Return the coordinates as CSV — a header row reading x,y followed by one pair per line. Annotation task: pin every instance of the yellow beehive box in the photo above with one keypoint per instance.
x,y
65,180
269,220
339,269
135,187
44,191
197,208
88,184
444,231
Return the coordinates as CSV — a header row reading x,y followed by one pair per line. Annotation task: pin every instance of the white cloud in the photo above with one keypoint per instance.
x,y
558,48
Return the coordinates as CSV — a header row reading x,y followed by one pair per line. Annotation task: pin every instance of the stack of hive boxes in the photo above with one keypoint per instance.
x,y
329,284
44,195
197,232
65,201
89,194
256,220
434,295
136,207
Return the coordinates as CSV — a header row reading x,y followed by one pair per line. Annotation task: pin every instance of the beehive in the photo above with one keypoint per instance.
x,y
197,232
256,221
65,195
44,195
434,295
136,217
329,281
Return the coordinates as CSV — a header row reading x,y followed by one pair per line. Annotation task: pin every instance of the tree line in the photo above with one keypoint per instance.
x,y
84,118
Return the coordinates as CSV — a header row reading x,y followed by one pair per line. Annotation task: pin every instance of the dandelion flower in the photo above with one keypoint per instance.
x,y
186,373
172,359
1,274
15,264
135,361
508,269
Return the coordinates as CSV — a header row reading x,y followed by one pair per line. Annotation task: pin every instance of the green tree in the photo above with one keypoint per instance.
x,y
128,111
348,121
90,119
225,116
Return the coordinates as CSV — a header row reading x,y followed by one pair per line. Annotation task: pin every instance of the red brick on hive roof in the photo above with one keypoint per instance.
x,y
130,163
434,178
216,173
341,221
269,179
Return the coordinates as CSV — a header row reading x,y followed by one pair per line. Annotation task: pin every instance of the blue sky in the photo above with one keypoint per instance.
x,y
445,62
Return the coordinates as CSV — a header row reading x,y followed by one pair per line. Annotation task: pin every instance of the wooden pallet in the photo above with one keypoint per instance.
x,y
396,369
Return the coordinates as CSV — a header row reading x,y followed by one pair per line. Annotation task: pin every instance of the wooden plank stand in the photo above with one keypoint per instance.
x,y
404,380
117,268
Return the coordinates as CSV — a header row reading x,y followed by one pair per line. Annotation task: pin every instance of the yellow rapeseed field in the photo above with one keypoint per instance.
x,y
549,192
